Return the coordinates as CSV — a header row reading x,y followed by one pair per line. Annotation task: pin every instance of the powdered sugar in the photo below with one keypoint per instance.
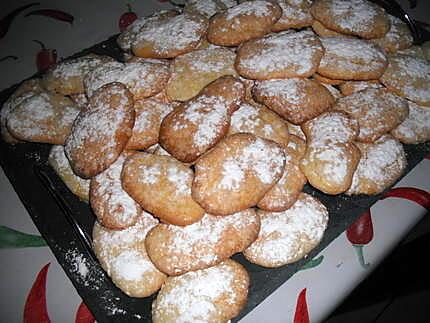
x,y
149,174
131,265
287,89
254,8
181,179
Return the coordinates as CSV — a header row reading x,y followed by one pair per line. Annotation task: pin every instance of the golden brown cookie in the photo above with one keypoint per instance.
x,y
236,173
101,131
208,8
58,161
331,157
350,87
250,19
44,117
215,294
193,71
381,164
377,112
323,31
296,100
162,186
176,250
352,17
408,77
351,59
198,124
123,256
295,14
170,37
282,55
398,37
416,127
286,237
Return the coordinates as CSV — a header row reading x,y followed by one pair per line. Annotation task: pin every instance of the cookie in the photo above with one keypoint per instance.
x,y
398,37
170,37
414,51
408,77
331,156
352,17
286,191
162,186
123,256
101,131
143,79
295,14
67,77
283,55
288,236
260,121
250,19
200,123
381,164
327,80
44,117
191,72
323,31
215,294
148,116
208,8
176,250
236,173
415,128
113,207
377,112
296,100
351,87
351,59
58,161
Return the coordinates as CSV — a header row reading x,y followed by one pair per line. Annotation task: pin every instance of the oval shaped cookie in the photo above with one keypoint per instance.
x,y
295,14
236,173
162,186
286,237
101,131
176,250
415,128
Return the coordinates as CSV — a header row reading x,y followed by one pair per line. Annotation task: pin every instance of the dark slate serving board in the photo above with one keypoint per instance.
x,y
34,181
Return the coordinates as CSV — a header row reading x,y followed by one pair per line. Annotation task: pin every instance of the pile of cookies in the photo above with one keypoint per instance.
x,y
199,144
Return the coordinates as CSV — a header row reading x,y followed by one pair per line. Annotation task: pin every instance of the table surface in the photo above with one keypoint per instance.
x,y
338,264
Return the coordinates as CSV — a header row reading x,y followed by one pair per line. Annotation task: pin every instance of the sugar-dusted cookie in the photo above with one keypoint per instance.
x,y
288,236
381,164
58,161
323,31
351,59
286,191
101,130
296,100
67,77
350,87
416,127
377,112
408,77
282,55
295,14
123,256
236,173
193,71
149,114
398,37
352,17
176,250
215,294
208,8
414,51
198,124
260,121
113,207
162,186
170,37
250,19
44,117
331,157
143,79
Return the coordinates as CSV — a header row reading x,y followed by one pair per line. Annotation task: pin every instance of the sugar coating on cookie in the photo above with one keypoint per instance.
x,y
215,294
381,164
295,14
208,8
398,37
414,51
286,237
350,87
282,55
415,128
176,250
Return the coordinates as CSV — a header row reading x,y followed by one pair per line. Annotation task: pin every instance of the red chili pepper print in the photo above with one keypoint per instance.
x,y
126,19
35,310
359,234
45,57
53,13
413,194
83,314
7,20
302,314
